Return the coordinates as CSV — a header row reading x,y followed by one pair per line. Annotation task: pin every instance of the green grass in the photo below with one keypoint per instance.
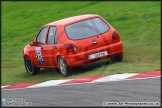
x,y
138,24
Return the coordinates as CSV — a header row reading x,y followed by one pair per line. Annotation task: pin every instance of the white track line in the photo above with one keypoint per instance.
x,y
48,83
115,77
4,86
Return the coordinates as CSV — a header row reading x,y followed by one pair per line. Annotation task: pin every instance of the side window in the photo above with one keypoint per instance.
x,y
51,35
41,36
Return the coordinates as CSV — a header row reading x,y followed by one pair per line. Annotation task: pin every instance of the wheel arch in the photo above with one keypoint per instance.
x,y
57,57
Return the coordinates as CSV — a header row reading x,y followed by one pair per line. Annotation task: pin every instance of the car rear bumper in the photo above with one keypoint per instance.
x,y
78,59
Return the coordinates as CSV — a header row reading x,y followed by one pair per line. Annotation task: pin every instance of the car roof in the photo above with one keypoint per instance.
x,y
66,21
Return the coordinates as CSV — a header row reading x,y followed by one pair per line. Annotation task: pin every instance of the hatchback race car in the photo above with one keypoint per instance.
x,y
71,42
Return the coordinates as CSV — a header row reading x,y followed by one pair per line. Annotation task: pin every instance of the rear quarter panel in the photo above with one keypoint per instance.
x,y
60,42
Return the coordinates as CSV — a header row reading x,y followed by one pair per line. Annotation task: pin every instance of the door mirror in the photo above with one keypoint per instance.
x,y
31,43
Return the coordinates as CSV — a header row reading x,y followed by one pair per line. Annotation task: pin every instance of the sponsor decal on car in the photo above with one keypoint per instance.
x,y
39,55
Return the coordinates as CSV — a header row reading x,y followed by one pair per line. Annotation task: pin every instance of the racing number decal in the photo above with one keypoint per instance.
x,y
39,56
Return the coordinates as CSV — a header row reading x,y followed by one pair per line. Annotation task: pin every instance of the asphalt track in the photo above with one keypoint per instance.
x,y
91,94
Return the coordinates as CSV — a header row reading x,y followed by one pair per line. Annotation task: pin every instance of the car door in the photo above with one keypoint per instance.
x,y
49,49
40,42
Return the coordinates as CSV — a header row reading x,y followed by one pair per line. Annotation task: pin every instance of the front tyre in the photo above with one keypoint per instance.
x,y
30,68
63,67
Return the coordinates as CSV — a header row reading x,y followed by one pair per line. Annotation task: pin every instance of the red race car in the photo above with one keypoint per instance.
x,y
71,42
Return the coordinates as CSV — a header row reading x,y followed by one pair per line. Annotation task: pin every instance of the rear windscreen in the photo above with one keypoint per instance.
x,y
86,28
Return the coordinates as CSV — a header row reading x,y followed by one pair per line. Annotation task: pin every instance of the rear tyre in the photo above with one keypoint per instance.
x,y
117,58
63,67
112,58
30,67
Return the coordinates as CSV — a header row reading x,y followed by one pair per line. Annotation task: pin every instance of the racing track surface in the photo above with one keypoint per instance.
x,y
91,94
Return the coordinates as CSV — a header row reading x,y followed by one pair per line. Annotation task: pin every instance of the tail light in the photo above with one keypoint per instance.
x,y
70,47
115,36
